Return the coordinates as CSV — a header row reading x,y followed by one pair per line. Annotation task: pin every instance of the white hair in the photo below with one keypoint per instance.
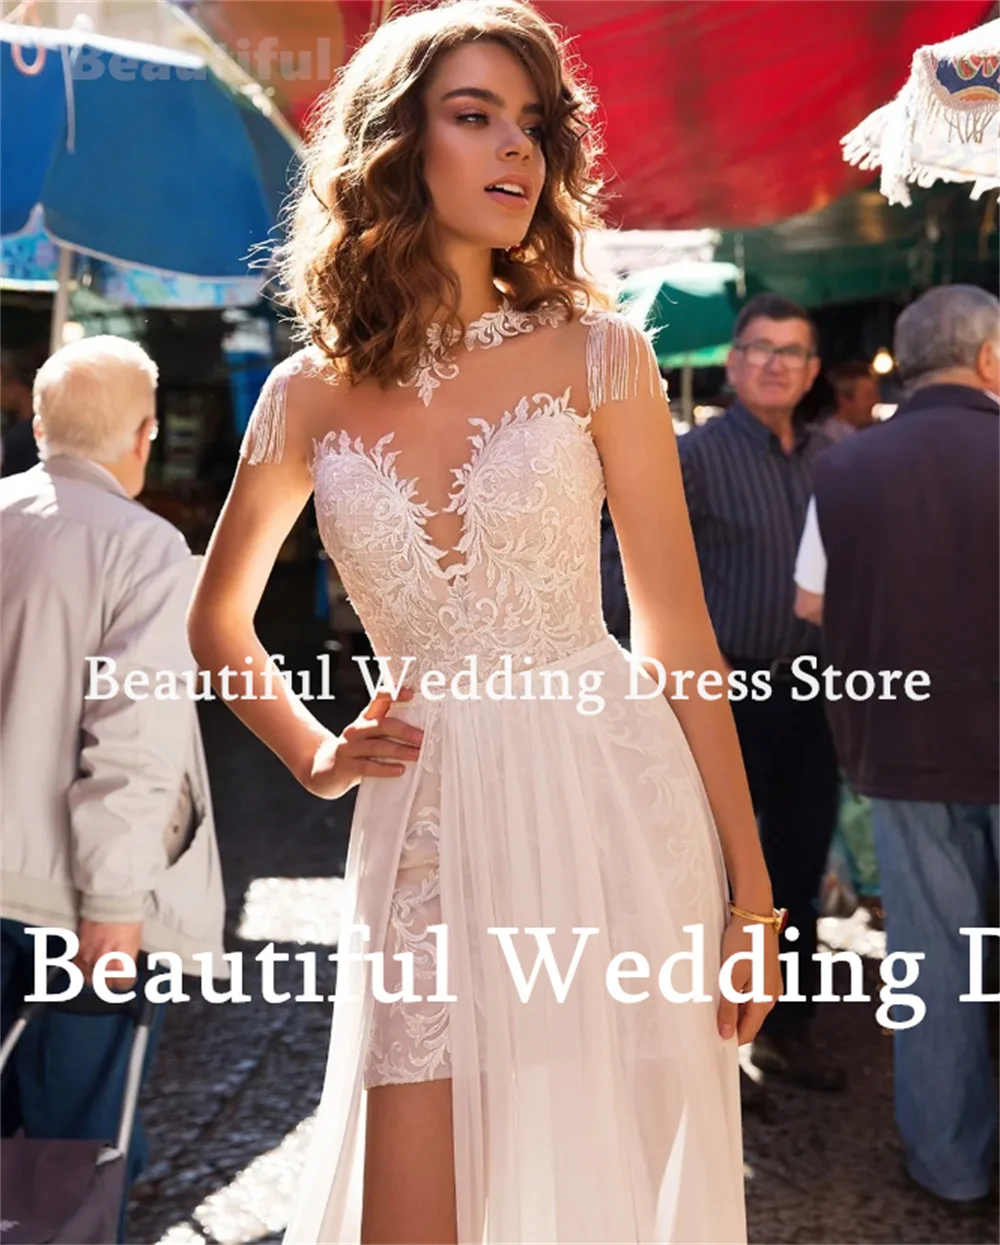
x,y
944,329
92,396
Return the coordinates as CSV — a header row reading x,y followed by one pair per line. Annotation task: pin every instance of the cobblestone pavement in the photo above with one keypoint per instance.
x,y
228,1104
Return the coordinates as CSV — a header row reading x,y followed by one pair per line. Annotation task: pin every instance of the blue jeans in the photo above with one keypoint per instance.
x,y
66,1077
937,863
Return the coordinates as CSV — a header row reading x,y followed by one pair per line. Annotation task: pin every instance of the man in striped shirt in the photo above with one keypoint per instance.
x,y
748,480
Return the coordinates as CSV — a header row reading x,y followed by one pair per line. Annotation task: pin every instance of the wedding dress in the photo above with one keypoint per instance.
x,y
595,1118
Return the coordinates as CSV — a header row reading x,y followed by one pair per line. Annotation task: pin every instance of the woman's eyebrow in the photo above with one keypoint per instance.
x,y
489,97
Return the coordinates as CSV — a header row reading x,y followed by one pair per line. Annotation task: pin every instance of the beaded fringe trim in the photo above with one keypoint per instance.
x,y
621,364
264,441
620,361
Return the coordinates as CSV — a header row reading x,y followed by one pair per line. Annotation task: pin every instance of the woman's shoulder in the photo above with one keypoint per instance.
x,y
603,347
305,375
294,400
588,325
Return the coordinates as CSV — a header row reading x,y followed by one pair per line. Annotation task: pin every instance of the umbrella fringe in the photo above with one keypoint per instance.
x,y
890,136
968,126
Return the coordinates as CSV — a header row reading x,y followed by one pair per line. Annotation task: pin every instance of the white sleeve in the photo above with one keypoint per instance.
x,y
810,564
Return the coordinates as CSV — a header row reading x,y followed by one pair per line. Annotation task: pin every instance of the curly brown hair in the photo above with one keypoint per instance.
x,y
360,216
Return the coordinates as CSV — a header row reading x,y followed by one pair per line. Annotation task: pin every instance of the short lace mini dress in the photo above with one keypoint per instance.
x,y
462,510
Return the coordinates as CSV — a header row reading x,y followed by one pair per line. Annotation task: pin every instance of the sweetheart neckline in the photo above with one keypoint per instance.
x,y
518,416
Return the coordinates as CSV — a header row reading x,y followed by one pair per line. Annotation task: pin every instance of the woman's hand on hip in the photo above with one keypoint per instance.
x,y
375,745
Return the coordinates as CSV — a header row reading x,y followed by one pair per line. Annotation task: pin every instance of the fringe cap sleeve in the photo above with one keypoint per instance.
x,y
621,362
264,441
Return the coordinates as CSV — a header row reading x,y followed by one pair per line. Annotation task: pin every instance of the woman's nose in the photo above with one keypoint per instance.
x,y
517,143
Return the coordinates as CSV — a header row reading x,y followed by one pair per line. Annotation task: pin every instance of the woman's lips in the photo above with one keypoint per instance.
x,y
517,202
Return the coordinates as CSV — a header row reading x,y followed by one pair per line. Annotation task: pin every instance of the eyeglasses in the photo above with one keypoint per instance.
x,y
760,354
154,432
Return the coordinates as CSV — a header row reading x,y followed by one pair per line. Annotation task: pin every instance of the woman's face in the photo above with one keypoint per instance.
x,y
484,131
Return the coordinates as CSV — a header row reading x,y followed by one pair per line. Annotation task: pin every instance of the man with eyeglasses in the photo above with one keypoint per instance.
x,y
106,827
748,480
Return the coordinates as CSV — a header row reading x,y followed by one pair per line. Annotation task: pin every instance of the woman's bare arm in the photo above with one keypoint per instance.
x,y
670,621
263,504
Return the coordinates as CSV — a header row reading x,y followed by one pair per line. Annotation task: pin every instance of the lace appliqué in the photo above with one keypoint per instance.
x,y
529,500
436,362
409,1040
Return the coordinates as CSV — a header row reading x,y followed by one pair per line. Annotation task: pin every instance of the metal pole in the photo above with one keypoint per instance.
x,y
60,305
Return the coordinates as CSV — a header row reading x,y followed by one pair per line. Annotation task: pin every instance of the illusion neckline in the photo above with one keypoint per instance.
x,y
528,412
438,359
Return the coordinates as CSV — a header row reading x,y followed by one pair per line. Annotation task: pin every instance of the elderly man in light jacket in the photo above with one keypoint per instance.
x,y
106,824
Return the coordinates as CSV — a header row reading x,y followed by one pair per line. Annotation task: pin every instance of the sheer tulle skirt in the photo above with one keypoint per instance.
x,y
580,1118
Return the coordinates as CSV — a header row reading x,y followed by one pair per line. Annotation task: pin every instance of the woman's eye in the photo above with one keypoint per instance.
x,y
535,132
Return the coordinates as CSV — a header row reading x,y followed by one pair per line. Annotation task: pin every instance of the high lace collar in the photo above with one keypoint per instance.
x,y
437,361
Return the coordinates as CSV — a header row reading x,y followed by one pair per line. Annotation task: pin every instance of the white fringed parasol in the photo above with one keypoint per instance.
x,y
944,125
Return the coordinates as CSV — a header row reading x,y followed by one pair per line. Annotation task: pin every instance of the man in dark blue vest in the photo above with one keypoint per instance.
x,y
900,559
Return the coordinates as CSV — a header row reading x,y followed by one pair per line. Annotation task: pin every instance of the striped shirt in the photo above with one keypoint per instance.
x,y
747,500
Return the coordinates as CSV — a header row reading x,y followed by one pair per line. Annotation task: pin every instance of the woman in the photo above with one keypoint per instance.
x,y
464,404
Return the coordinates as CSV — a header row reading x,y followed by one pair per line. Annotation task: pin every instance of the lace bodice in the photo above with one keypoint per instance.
x,y
529,498
524,503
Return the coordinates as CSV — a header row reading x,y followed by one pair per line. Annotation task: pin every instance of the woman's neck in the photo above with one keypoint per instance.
x,y
473,266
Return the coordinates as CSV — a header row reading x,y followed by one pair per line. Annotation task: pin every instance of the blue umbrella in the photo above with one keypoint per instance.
x,y
135,154
30,261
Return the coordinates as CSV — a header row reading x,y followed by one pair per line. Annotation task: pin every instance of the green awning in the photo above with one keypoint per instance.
x,y
861,247
691,308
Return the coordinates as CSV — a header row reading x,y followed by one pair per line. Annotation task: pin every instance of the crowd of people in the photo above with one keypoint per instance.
x,y
869,552
866,545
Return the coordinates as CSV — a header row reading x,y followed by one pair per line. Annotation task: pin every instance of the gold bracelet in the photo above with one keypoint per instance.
x,y
777,920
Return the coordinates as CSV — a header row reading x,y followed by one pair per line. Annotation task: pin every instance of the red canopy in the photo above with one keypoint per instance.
x,y
723,113
728,113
